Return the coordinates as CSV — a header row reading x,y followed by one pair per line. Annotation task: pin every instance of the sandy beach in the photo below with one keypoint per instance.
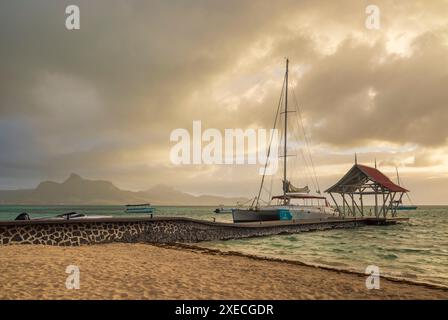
x,y
142,271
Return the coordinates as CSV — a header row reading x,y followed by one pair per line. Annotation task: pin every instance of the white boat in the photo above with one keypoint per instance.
x,y
295,203
139,208
222,209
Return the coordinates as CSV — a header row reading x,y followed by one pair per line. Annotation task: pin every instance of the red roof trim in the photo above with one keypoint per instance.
x,y
380,178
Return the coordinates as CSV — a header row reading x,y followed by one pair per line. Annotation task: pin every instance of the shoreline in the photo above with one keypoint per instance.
x,y
179,271
301,263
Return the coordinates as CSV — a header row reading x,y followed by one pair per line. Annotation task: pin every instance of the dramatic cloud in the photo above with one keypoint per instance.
x,y
102,100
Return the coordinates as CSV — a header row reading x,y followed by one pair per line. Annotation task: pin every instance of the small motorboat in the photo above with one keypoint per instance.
x,y
406,207
221,209
139,208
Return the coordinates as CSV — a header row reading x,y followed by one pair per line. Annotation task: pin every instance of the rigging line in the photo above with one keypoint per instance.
x,y
244,203
313,174
272,137
307,172
409,198
274,178
270,189
304,134
407,193
306,137
271,184
265,202
400,183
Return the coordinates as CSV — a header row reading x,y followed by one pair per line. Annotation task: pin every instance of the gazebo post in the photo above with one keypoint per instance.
x,y
337,206
362,204
353,205
348,205
376,201
391,203
394,212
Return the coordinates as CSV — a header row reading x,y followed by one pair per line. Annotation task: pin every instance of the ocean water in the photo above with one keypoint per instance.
x,y
9,212
416,250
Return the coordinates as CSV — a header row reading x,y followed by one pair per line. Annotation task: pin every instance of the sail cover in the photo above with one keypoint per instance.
x,y
289,187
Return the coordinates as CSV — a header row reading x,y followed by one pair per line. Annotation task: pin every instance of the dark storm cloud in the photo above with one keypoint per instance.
x,y
103,100
361,93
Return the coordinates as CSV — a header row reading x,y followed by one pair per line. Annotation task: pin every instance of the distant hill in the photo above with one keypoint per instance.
x,y
79,191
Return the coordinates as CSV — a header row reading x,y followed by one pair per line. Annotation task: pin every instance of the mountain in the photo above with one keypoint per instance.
x,y
79,191
166,195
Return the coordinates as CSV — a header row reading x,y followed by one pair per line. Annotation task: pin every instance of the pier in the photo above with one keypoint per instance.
x,y
77,232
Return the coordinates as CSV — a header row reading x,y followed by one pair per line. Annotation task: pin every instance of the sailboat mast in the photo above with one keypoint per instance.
x,y
286,132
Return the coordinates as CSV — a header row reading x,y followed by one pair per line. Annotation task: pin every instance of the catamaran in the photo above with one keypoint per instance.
x,y
295,203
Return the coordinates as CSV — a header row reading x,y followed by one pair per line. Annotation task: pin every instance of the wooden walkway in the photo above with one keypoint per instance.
x,y
366,220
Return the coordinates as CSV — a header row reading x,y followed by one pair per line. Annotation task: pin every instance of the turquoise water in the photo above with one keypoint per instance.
x,y
416,250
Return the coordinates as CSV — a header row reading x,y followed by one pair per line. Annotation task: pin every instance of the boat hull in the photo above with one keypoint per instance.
x,y
221,211
404,208
280,213
139,210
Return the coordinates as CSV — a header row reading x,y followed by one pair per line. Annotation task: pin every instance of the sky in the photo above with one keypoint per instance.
x,y
102,101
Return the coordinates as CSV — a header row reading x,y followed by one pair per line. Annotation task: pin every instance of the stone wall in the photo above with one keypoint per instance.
x,y
151,230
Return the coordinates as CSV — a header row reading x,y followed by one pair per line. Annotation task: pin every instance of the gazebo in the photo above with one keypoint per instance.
x,y
362,181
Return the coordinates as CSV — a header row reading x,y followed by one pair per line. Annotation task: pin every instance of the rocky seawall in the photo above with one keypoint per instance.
x,y
151,230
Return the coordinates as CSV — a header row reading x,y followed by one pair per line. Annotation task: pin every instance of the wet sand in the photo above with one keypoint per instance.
x,y
142,271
